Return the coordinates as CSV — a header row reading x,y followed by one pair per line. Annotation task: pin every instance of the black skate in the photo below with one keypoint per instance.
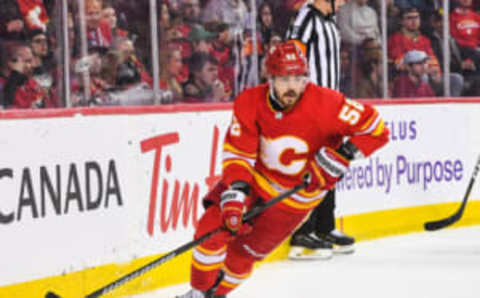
x,y
342,243
308,247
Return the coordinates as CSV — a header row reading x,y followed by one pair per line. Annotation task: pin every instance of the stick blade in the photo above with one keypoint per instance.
x,y
52,295
439,224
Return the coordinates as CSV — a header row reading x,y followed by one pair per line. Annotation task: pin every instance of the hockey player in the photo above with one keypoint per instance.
x,y
279,132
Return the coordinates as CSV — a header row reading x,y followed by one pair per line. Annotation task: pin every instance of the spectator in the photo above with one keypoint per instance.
x,y
464,67
40,46
358,21
412,83
201,39
170,70
22,89
12,26
465,28
93,65
37,92
125,47
19,69
231,12
99,34
265,21
435,79
275,39
126,86
408,38
346,71
191,12
6,55
222,51
370,83
188,18
368,72
235,14
174,6
133,17
203,84
109,66
164,21
109,16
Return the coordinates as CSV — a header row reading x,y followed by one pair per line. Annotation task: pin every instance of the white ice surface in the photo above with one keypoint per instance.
x,y
441,264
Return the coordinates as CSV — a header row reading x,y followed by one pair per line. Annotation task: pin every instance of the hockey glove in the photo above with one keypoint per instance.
x,y
232,206
326,169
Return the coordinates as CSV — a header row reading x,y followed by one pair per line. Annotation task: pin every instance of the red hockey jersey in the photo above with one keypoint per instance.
x,y
270,149
465,28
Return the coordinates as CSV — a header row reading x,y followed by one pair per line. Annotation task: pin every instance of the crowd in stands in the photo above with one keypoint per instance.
x,y
209,50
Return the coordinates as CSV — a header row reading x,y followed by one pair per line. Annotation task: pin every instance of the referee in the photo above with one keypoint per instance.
x,y
315,28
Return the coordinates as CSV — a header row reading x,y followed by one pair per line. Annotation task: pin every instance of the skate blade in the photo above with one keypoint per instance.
x,y
343,249
301,253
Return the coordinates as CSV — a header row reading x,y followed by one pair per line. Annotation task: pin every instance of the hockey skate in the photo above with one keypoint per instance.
x,y
309,247
342,243
193,293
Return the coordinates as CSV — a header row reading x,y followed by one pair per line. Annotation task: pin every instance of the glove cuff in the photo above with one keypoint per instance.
x,y
232,197
332,162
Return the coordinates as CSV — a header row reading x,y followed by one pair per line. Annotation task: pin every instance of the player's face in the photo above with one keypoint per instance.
x,y
289,89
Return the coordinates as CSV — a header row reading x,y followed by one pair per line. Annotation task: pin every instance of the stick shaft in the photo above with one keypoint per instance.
x,y
165,258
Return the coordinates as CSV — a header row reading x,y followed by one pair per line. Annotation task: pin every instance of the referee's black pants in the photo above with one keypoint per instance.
x,y
322,218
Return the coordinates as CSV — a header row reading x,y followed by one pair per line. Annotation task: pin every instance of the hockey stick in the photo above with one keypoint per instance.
x,y
165,258
441,223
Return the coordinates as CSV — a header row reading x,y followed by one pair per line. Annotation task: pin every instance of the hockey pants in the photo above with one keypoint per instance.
x,y
236,255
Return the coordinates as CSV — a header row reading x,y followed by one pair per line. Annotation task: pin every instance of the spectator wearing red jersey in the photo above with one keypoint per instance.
x,y
23,90
408,38
465,28
412,83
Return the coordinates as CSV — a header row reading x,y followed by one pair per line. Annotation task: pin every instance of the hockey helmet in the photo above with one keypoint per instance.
x,y
285,59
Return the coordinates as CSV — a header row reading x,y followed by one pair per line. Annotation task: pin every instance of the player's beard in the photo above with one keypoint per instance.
x,y
289,98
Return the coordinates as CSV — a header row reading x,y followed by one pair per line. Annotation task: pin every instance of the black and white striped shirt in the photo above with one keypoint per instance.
x,y
320,35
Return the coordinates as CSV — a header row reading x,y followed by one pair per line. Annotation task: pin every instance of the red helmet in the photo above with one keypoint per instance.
x,y
286,59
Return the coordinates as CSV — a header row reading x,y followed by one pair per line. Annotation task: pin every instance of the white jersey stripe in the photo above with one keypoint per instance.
x,y
208,259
